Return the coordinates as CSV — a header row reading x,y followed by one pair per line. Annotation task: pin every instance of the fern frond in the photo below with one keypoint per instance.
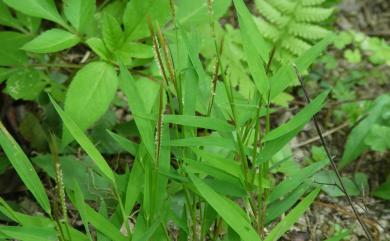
x,y
295,45
312,2
307,31
271,13
267,30
312,14
283,5
293,25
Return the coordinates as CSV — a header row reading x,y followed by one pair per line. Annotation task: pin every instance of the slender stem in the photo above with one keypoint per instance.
x,y
333,164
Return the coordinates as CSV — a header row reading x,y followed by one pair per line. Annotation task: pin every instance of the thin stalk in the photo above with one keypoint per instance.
x,y
333,164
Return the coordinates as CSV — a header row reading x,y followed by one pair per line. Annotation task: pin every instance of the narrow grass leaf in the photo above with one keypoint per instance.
x,y
29,233
285,76
277,208
290,183
301,118
137,107
103,225
292,217
23,167
204,141
228,210
199,122
84,142
126,144
252,32
81,207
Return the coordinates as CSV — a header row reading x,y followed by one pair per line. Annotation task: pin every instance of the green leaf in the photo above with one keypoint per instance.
x,y
113,36
138,109
355,143
126,144
38,8
252,32
29,233
10,53
23,167
103,225
287,222
90,94
204,141
81,207
25,84
285,76
378,138
136,13
299,119
80,13
228,210
6,17
51,41
84,142
199,122
97,46
292,182
383,191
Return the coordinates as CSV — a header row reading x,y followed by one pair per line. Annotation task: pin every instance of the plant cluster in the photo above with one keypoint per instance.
x,y
166,118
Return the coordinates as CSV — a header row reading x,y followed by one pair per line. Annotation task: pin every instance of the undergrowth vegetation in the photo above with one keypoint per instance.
x,y
162,128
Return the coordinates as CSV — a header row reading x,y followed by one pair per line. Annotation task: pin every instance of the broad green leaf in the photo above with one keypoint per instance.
x,y
84,142
37,8
378,139
23,167
87,174
6,17
138,109
29,233
10,53
134,50
90,94
25,84
113,36
97,46
255,37
383,191
301,118
199,122
287,222
80,13
52,40
228,210
355,143
136,13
